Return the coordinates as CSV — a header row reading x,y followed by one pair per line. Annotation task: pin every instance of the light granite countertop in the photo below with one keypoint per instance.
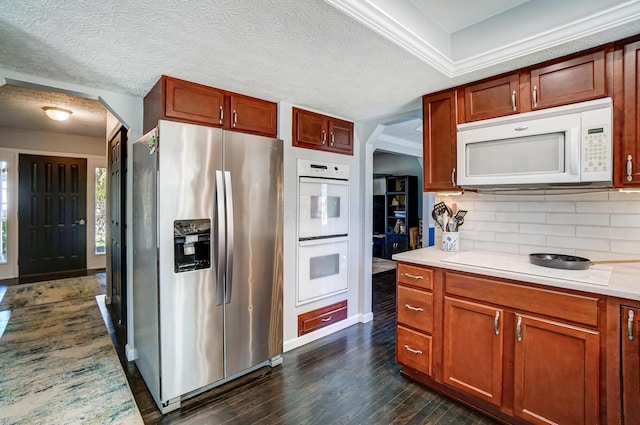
x,y
617,281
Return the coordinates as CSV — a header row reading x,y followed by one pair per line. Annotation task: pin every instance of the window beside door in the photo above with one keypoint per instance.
x,y
100,202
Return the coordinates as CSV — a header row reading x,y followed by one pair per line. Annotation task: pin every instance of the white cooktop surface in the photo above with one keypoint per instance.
x,y
596,275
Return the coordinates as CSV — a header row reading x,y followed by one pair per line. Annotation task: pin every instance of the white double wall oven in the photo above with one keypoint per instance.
x,y
323,230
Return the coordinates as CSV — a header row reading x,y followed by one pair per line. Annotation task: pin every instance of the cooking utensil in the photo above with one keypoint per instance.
x,y
569,262
439,210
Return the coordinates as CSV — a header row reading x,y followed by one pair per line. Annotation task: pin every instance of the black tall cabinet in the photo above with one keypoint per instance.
x,y
401,212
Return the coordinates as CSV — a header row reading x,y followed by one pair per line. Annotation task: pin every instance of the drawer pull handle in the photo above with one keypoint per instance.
x,y
535,96
496,323
519,329
630,325
406,347
326,319
324,137
221,114
410,307
235,118
513,101
629,168
413,276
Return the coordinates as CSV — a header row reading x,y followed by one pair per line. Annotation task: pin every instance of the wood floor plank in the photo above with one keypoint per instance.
x,y
349,377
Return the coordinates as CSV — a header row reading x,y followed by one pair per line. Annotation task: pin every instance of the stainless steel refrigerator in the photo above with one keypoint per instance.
x,y
207,257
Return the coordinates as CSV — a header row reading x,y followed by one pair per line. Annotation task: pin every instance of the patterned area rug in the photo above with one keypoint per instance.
x,y
382,265
52,291
57,361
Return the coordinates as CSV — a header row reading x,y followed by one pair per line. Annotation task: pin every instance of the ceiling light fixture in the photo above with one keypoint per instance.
x,y
57,114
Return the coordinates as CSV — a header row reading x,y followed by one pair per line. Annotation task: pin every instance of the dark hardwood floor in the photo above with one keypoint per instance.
x,y
349,377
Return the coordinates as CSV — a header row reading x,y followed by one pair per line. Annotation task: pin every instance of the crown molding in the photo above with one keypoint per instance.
x,y
381,22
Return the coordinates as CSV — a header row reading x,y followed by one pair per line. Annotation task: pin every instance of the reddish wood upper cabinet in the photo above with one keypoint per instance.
x,y
493,98
556,372
627,157
320,132
251,115
630,363
179,100
473,348
573,80
439,141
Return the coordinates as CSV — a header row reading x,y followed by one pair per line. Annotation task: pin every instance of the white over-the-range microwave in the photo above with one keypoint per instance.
x,y
563,146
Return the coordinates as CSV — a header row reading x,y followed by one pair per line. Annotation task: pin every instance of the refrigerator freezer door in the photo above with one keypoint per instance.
x,y
253,315
191,324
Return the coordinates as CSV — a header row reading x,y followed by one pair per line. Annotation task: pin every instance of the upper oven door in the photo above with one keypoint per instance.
x,y
323,208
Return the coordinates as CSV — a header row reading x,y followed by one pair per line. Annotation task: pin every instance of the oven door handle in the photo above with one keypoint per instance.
x,y
322,241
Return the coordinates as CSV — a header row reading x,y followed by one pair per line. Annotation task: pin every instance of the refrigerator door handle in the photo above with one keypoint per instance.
x,y
221,240
229,267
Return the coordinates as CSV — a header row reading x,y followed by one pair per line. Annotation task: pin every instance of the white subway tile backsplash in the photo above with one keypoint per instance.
x,y
577,219
521,217
625,220
548,206
599,223
548,229
579,243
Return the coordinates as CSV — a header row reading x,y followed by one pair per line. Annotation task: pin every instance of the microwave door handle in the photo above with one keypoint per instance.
x,y
574,158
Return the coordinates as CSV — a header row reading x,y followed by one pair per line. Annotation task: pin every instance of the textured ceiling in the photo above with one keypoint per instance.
x,y
308,53
21,107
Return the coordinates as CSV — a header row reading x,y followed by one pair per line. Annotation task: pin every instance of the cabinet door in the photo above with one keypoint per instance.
x,y
491,99
439,141
473,349
570,81
341,136
309,129
630,364
190,102
252,115
628,173
556,372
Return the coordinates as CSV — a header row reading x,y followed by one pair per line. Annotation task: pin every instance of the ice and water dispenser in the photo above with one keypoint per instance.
x,y
192,245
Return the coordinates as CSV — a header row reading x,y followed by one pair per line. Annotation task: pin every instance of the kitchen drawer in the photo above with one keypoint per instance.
x,y
321,317
553,303
415,276
415,308
413,349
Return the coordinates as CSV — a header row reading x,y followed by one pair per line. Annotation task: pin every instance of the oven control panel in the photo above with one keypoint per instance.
x,y
307,168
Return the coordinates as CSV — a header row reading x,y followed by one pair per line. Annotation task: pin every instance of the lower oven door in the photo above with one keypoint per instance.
x,y
322,268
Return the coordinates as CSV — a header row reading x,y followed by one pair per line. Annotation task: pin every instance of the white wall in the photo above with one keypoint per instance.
x,y
15,141
353,294
598,225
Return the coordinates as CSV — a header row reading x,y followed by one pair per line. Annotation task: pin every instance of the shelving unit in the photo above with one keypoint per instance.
x,y
401,212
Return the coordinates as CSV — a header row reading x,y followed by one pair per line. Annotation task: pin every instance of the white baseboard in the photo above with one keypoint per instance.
x,y
130,352
366,318
320,333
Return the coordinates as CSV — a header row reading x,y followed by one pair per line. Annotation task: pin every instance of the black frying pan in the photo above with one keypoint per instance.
x,y
569,262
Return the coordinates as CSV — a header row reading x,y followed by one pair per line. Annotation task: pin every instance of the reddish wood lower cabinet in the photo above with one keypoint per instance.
x,y
557,372
473,349
521,353
321,317
630,363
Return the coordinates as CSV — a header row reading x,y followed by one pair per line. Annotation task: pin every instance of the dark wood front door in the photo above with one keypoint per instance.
x,y
52,215
116,255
